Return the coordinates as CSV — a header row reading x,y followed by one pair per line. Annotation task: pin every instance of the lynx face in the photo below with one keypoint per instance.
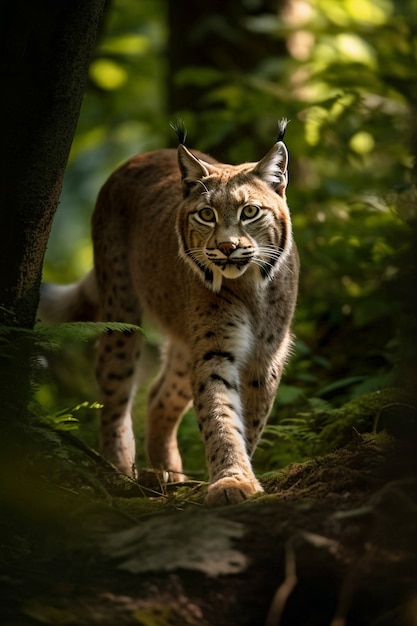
x,y
234,219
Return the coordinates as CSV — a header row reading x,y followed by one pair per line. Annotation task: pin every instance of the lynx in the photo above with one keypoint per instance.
x,y
206,251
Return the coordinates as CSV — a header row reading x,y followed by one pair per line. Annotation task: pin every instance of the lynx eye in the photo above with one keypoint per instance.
x,y
249,212
207,215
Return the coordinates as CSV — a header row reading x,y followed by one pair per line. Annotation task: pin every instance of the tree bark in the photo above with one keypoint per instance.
x,y
46,50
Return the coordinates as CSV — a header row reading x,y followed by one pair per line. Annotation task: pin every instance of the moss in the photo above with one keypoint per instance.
x,y
161,615
349,470
362,414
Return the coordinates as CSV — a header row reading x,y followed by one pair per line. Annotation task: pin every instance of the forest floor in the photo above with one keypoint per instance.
x,y
331,542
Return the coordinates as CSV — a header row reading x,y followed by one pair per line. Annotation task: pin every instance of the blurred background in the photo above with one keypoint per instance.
x,y
344,73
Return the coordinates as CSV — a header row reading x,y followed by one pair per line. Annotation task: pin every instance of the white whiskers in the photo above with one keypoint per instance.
x,y
272,254
197,254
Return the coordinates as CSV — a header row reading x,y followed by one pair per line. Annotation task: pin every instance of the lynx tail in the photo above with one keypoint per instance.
x,y
77,302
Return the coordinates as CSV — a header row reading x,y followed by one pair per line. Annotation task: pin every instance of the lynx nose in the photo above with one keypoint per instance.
x,y
227,247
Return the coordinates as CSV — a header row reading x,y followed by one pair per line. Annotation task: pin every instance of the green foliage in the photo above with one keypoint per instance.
x,y
122,114
298,432
318,427
25,375
65,420
344,74
49,337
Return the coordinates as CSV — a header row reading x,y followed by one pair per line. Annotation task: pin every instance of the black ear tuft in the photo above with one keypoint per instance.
x,y
179,128
282,125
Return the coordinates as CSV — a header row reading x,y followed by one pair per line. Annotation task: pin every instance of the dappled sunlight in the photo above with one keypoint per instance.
x,y
126,44
107,74
362,142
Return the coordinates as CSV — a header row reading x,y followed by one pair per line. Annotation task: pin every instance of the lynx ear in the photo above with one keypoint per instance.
x,y
273,168
192,169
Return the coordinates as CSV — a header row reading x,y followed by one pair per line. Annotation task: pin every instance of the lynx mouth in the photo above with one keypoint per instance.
x,y
238,263
230,266
233,269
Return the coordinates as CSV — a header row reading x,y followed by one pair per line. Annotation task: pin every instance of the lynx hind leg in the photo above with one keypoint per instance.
x,y
169,398
117,356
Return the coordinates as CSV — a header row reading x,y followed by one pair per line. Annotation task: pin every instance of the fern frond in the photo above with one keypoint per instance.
x,y
85,331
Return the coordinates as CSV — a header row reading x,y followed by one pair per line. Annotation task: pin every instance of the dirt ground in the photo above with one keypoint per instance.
x,y
331,542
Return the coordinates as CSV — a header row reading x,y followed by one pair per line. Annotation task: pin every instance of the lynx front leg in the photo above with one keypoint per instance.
x,y
216,384
117,356
258,399
261,384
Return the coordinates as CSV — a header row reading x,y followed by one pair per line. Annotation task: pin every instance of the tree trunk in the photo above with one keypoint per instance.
x,y
46,50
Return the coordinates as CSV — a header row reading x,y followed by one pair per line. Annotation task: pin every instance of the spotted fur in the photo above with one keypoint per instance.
x,y
206,251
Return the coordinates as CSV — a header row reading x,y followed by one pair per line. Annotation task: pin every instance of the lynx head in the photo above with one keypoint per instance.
x,y
234,219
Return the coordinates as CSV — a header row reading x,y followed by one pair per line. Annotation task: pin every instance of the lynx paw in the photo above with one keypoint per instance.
x,y
231,491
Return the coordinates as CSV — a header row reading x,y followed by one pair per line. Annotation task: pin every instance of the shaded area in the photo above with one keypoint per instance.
x,y
330,537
